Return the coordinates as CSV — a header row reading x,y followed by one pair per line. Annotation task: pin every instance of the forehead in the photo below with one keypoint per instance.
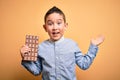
x,y
54,16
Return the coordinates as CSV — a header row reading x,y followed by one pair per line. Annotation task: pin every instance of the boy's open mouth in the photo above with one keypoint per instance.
x,y
54,33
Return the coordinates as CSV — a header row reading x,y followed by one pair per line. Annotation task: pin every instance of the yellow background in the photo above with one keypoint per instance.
x,y
86,19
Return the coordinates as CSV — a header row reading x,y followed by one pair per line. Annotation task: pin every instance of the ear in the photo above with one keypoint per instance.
x,y
66,26
44,26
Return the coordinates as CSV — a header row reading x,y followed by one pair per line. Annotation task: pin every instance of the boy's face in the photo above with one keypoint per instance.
x,y
55,26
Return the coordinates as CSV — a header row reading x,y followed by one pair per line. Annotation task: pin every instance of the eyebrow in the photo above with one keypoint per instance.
x,y
48,20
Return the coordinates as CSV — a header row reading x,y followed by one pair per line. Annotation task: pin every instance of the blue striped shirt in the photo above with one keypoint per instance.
x,y
57,60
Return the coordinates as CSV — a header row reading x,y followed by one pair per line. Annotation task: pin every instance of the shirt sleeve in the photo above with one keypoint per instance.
x,y
84,61
34,67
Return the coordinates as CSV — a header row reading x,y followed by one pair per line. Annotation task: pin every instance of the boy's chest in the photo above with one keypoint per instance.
x,y
61,55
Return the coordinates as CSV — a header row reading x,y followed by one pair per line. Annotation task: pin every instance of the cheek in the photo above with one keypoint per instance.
x,y
62,29
49,30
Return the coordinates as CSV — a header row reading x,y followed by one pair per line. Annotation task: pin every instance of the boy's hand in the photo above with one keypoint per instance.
x,y
24,49
98,40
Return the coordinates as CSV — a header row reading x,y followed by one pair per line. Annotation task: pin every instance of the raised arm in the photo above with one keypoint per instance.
x,y
84,61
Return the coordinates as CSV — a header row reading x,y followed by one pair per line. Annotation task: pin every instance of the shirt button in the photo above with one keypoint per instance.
x,y
57,69
58,78
56,47
56,57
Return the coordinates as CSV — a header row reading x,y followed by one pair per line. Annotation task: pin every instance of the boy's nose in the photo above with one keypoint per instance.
x,y
55,26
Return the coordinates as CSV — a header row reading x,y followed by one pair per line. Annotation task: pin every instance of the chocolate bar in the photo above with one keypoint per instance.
x,y
32,42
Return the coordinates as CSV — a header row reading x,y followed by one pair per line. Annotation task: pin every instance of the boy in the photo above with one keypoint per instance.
x,y
57,56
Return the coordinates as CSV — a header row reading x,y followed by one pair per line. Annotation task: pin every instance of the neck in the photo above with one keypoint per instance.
x,y
62,38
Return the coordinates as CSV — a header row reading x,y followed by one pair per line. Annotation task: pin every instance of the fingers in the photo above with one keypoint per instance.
x,y
24,49
98,40
101,38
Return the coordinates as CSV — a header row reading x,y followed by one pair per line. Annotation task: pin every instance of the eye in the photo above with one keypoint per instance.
x,y
59,23
49,23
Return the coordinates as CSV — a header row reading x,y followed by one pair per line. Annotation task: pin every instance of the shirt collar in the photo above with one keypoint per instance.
x,y
57,42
